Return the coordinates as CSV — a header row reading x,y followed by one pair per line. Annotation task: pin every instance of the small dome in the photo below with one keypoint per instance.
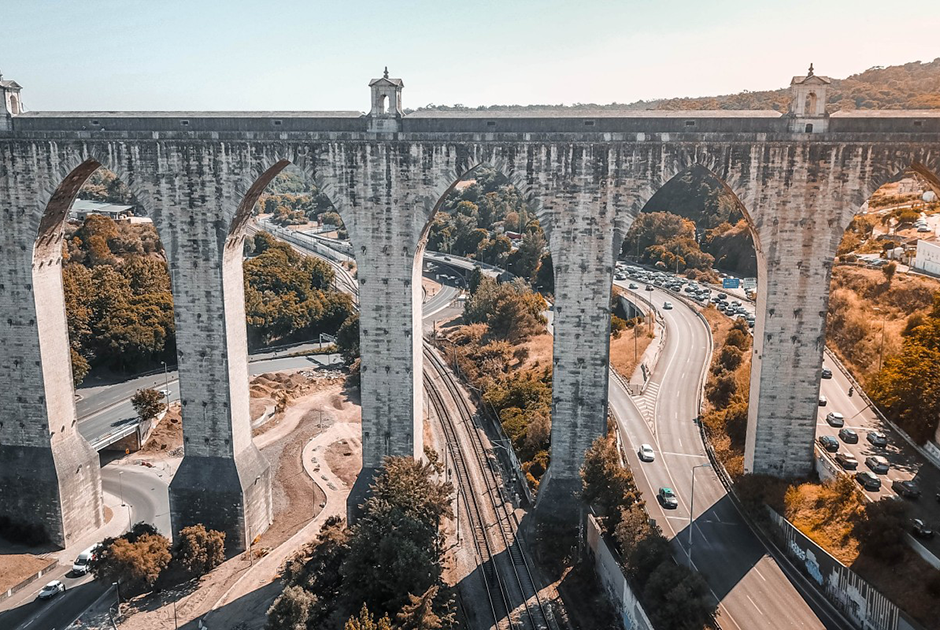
x,y
929,196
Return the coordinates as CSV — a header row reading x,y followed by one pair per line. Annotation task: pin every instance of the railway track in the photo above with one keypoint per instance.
x,y
514,600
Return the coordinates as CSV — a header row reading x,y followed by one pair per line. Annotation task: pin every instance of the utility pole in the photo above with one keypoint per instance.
x,y
166,385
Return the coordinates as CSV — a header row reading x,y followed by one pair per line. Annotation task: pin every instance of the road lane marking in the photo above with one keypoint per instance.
x,y
755,605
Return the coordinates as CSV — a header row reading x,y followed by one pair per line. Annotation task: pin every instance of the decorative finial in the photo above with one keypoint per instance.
x,y
1,75
810,70
386,72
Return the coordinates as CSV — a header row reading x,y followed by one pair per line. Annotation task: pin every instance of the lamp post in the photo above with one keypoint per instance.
x,y
166,385
881,349
121,485
692,506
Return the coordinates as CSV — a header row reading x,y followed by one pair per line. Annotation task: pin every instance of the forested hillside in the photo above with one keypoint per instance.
x,y
913,85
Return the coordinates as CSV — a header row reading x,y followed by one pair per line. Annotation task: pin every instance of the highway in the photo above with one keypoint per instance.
x,y
750,585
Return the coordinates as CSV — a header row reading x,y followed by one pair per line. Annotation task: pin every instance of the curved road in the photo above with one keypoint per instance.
x,y
751,587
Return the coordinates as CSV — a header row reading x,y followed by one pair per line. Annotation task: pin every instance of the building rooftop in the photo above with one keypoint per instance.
x,y
563,112
191,114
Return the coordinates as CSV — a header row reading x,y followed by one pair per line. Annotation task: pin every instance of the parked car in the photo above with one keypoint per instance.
x,y
823,401
51,589
907,489
878,464
667,498
847,435
829,443
921,529
847,460
868,480
835,419
667,306
646,453
877,438
826,373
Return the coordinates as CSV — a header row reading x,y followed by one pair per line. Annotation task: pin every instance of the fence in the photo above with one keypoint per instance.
x,y
631,613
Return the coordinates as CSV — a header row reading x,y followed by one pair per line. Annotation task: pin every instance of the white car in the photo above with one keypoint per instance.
x,y
646,453
165,393
667,306
82,563
51,589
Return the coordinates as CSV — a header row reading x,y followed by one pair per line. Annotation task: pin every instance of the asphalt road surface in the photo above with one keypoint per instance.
x,y
751,587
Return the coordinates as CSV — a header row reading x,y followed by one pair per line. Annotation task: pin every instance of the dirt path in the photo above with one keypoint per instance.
x,y
306,491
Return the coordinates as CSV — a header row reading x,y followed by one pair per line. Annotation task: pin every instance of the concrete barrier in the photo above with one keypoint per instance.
x,y
610,573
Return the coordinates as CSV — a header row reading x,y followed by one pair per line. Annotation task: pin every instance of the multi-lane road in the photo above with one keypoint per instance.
x,y
752,588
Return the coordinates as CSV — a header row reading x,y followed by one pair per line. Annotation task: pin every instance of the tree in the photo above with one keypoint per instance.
x,y
721,390
365,621
889,270
135,559
604,482
200,550
881,529
395,545
633,528
418,613
678,597
290,610
148,403
347,338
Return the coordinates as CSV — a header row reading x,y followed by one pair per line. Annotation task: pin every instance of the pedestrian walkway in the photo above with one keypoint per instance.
x,y
646,402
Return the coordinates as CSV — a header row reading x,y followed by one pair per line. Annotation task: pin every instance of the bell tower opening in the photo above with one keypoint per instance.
x,y
808,97
385,115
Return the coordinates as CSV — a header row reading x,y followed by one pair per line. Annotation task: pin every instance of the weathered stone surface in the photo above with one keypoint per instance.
x,y
586,177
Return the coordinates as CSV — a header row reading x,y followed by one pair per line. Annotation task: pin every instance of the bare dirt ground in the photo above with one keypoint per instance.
x,y
342,458
240,590
14,568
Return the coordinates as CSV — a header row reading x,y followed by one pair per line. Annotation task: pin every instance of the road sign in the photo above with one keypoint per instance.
x,y
730,283
750,283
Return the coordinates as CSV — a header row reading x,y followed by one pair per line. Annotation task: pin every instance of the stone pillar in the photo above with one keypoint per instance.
x,y
799,224
388,271
49,475
582,245
223,482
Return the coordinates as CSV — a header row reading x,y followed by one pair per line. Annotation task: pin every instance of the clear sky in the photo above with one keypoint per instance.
x,y
320,55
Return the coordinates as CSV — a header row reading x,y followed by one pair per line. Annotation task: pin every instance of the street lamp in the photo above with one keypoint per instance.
x,y
121,485
692,506
881,349
166,385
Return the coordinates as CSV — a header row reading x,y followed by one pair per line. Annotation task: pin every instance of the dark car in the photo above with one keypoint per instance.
x,y
877,438
847,461
829,443
921,530
868,480
649,287
826,373
907,489
668,498
878,464
849,436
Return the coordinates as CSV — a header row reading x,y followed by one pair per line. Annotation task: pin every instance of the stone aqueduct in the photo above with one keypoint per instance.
x,y
801,176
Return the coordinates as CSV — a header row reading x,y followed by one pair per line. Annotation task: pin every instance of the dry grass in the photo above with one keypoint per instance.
x,y
855,329
825,512
14,568
627,350
540,350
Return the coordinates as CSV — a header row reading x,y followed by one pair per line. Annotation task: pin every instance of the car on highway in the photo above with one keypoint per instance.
x,y
868,480
835,419
82,563
667,498
826,373
649,287
847,460
164,393
646,453
878,464
51,589
906,488
633,285
823,401
667,306
877,438
847,435
921,529
829,443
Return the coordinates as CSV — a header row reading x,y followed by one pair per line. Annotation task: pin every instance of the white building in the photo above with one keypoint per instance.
x,y
83,207
928,258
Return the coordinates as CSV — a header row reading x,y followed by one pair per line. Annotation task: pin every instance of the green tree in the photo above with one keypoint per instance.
x,y
605,482
148,403
889,270
678,597
347,338
881,529
395,545
199,550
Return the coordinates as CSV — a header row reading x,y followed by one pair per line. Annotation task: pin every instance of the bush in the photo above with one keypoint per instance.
x,y
678,598
729,359
720,391
290,610
200,550
881,529
135,560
